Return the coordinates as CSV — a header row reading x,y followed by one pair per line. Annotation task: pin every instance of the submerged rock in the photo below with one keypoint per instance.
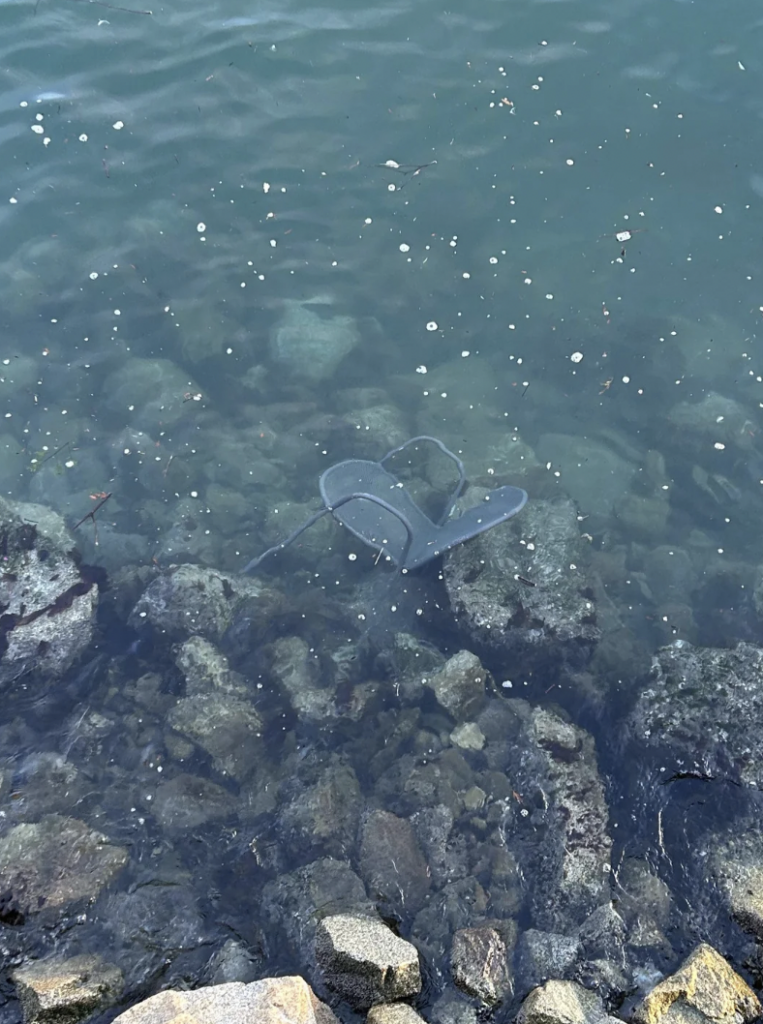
x,y
188,801
364,961
228,728
567,852
54,862
547,625
69,990
480,963
297,669
545,955
703,708
189,600
703,989
392,864
459,686
592,472
48,603
270,1001
321,806
309,345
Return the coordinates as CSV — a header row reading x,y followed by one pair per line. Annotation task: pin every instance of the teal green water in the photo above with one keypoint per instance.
x,y
547,128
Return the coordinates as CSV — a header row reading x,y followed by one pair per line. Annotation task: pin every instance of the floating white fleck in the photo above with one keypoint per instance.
x,y
352,557
201,227
719,446
549,295
404,247
266,186
37,129
421,369
493,259
118,126
13,199
577,357
466,275
391,163
432,325
368,220
623,236
273,243
718,209
569,162
465,354
83,137
93,275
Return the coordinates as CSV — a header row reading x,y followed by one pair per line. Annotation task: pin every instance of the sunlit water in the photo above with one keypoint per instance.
x,y
542,218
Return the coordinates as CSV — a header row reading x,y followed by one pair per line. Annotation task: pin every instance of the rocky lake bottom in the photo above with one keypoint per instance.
x,y
522,780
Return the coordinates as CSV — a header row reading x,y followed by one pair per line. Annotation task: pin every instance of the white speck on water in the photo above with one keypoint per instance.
x,y
201,227
118,126
576,357
432,325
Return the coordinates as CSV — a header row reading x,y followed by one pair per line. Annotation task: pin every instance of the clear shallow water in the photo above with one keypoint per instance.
x,y
197,168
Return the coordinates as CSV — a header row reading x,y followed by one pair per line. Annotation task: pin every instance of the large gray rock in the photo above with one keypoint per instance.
x,y
54,862
297,901
48,604
480,961
703,710
59,989
228,728
270,1001
152,392
543,627
309,345
189,600
704,990
321,805
188,801
364,961
567,853
592,472
563,1002
392,864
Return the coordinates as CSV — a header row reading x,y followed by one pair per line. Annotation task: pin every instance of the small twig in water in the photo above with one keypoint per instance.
x,y
91,514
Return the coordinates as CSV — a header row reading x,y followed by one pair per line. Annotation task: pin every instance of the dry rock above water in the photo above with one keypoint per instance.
x,y
288,1000
563,1002
364,961
703,989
